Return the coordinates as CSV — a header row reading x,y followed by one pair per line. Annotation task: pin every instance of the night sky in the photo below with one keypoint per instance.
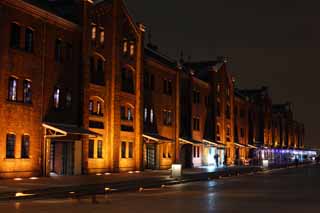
x,y
274,43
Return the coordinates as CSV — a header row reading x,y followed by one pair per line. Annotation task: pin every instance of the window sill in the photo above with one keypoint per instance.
x,y
20,103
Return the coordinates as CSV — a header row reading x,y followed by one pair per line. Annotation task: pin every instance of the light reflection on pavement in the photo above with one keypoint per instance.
x,y
289,191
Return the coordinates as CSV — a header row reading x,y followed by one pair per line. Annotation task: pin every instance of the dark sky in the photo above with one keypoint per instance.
x,y
274,43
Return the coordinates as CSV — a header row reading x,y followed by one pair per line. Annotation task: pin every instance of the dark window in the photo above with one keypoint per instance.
x,y
58,50
127,128
167,118
123,113
25,144
130,149
218,108
146,80
196,97
196,124
10,146
12,93
91,107
123,149
151,81
27,95
29,40
242,132
218,130
91,149
69,99
228,111
100,71
96,124
127,81
69,51
56,98
15,36
99,154
167,87
194,151
101,37
198,151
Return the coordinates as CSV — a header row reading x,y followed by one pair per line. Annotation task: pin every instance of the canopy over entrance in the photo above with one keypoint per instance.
x,y
61,130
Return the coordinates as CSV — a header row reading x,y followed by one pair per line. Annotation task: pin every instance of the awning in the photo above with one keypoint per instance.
x,y
60,130
251,146
189,141
239,145
216,144
156,137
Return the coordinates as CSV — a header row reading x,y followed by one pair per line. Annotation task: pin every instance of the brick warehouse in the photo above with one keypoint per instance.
x,y
80,93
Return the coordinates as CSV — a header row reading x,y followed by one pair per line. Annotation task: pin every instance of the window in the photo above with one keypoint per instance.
x,y
25,144
91,107
127,81
12,93
148,81
228,131
69,51
93,33
228,92
145,114
27,91
130,149
218,88
91,149
99,153
99,111
10,146
132,49
242,132
167,118
198,151
126,113
218,130
96,124
196,97
123,149
58,50
194,151
69,99
125,46
151,116
15,36
218,108
196,124
29,40
56,98
97,71
101,36
167,87
228,112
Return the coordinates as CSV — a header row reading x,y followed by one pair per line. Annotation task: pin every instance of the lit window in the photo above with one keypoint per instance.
x,y
101,36
93,32
27,92
25,144
228,92
91,149
10,145
99,154
56,98
15,36
99,112
167,118
29,40
130,117
12,93
151,116
91,106
125,46
131,49
145,116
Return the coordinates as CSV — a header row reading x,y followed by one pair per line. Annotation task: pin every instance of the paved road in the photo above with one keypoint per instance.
x,y
291,190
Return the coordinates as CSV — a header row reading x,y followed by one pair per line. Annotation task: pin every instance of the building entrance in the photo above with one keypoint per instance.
x,y
151,156
62,158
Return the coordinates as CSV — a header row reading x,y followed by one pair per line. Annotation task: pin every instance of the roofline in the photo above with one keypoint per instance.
x,y
41,13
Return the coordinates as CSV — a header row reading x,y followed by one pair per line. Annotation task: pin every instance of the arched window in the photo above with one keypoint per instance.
x,y
96,106
127,80
56,98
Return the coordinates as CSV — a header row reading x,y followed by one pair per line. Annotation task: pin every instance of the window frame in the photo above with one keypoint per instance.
x,y
25,146
10,153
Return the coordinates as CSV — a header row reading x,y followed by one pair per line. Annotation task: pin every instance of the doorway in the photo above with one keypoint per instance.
x,y
151,156
62,158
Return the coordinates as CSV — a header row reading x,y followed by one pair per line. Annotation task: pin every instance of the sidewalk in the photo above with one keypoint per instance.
x,y
68,186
